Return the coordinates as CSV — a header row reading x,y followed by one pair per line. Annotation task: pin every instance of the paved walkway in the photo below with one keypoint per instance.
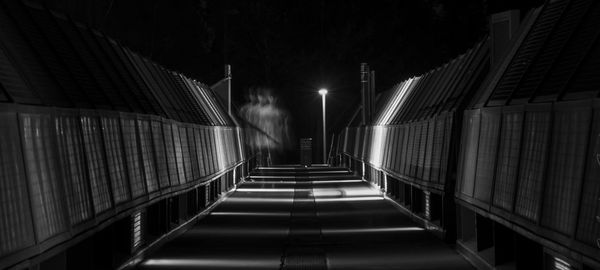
x,y
293,218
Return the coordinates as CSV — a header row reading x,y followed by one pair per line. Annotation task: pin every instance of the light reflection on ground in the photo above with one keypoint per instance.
x,y
356,228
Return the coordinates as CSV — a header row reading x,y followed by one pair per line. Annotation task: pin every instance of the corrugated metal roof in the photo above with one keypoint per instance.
x,y
439,90
557,60
50,60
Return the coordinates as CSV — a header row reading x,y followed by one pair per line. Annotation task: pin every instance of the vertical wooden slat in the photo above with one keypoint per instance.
x,y
16,228
570,133
534,154
487,153
117,169
508,158
73,169
470,144
588,225
43,175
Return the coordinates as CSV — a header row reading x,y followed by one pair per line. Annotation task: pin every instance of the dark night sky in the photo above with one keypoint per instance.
x,y
295,47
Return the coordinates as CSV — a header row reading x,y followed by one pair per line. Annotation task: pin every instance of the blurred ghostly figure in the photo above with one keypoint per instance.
x,y
267,130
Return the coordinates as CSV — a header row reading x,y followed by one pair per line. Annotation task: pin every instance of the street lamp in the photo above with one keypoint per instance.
x,y
323,93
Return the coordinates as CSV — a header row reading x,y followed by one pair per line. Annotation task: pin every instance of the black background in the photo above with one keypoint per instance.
x,y
295,47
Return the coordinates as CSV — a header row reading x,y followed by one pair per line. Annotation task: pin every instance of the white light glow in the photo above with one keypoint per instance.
x,y
323,92
560,264
336,181
370,230
234,177
329,193
278,168
427,205
327,172
265,189
384,182
345,192
239,231
255,182
349,199
272,177
377,146
260,200
398,100
252,214
137,229
240,142
221,148
363,170
306,200
251,263
356,212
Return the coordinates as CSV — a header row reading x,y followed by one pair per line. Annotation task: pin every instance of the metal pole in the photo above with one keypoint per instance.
x,y
324,132
371,96
228,76
364,81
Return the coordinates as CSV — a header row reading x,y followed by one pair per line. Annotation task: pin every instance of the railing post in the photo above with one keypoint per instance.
x,y
228,78
364,81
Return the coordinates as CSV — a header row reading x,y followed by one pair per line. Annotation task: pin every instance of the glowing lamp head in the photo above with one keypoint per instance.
x,y
323,92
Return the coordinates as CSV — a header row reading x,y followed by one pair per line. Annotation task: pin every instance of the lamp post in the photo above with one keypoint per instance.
x,y
323,93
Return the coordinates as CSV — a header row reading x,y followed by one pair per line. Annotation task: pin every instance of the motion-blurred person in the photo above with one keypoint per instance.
x,y
267,128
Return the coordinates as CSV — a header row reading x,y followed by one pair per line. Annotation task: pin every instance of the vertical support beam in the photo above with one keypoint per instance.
x,y
228,78
364,81
324,131
371,96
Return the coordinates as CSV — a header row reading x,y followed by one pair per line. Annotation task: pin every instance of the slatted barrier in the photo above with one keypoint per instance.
x,y
410,144
63,168
93,135
505,154
527,149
